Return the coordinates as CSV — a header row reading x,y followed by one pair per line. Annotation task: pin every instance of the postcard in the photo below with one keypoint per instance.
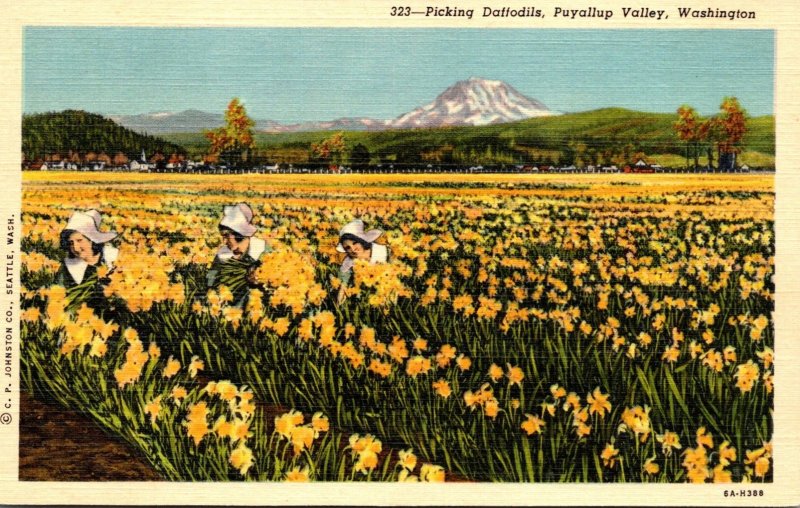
x,y
418,253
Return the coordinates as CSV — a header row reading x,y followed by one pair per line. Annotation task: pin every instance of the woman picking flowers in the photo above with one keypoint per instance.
x,y
358,244
90,258
239,254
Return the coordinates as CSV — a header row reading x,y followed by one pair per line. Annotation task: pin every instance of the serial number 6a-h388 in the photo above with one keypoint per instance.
x,y
743,493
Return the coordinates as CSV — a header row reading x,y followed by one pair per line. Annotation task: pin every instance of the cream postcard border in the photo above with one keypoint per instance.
x,y
783,18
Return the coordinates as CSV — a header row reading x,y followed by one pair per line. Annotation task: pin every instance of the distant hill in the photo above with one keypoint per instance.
x,y
75,131
536,139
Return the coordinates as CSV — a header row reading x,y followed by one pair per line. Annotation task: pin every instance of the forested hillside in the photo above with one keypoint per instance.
x,y
78,132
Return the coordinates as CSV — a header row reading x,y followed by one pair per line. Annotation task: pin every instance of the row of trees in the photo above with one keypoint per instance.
x,y
234,143
722,133
581,154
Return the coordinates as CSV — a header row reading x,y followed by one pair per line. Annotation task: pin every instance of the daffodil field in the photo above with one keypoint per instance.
x,y
528,328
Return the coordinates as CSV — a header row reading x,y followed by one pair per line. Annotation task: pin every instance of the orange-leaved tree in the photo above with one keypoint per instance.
x,y
233,141
688,129
733,123
330,150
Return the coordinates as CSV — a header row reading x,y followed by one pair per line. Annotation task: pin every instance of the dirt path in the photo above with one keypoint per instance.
x,y
57,444
61,445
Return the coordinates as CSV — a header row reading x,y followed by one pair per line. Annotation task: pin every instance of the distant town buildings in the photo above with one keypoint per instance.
x,y
180,164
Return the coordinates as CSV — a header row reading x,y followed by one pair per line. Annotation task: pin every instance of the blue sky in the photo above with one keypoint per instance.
x,y
300,74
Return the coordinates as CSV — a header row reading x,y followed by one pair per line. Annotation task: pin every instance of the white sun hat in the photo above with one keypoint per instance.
x,y
356,228
88,224
239,218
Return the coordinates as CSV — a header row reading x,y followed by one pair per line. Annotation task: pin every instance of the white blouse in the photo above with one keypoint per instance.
x,y
77,267
380,254
257,247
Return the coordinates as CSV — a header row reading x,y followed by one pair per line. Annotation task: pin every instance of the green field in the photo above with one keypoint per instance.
x,y
613,129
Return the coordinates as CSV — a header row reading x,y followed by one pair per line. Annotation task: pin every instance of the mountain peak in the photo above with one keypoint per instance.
x,y
474,101
482,81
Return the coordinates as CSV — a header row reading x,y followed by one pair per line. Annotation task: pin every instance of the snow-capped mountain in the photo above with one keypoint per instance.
x,y
340,124
163,122
473,101
192,120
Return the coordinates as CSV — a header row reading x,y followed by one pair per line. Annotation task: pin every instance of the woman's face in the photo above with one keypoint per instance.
x,y
354,250
80,247
238,247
